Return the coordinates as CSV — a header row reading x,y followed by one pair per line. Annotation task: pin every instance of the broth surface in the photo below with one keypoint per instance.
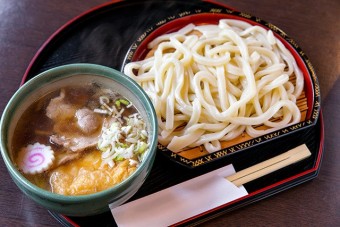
x,y
96,138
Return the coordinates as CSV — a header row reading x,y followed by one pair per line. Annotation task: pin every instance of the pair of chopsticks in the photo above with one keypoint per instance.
x,y
256,171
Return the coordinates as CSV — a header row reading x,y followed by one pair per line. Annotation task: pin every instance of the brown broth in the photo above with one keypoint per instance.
x,y
35,126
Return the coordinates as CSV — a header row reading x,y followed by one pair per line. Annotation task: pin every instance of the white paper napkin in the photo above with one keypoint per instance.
x,y
180,201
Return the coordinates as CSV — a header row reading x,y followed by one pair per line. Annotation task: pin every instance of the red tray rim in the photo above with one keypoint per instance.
x,y
314,169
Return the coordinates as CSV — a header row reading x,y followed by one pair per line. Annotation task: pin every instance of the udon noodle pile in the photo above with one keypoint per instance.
x,y
211,83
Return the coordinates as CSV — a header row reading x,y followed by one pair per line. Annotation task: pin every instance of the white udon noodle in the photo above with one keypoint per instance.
x,y
212,87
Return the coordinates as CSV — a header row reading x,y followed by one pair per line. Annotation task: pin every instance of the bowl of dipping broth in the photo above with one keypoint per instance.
x,y
78,138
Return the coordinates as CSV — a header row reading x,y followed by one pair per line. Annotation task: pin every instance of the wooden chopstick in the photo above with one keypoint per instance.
x,y
256,171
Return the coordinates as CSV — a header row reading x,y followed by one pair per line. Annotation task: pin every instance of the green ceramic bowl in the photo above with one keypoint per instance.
x,y
82,205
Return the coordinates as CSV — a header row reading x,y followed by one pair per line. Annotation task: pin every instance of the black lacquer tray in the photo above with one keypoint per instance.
x,y
104,36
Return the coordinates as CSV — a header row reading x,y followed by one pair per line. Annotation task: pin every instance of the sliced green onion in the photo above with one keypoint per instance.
x,y
124,101
119,158
142,148
120,101
117,102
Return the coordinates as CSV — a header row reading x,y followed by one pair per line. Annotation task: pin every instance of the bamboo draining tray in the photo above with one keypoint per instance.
x,y
308,102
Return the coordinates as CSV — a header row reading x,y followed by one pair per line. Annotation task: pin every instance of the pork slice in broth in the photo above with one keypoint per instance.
x,y
87,120
76,127
75,144
59,110
75,147
67,157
